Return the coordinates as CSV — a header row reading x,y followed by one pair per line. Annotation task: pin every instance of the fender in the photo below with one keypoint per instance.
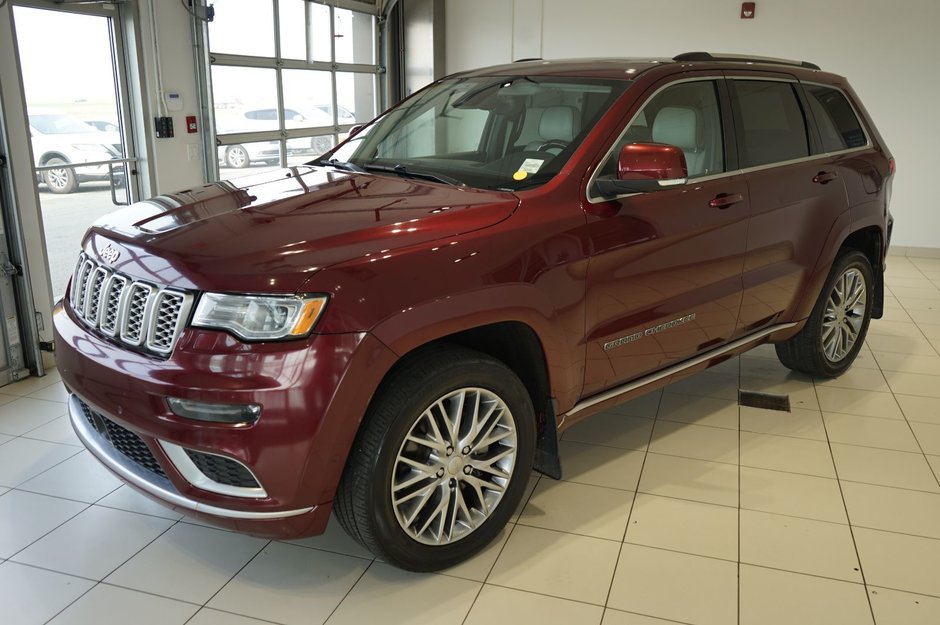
x,y
520,302
840,230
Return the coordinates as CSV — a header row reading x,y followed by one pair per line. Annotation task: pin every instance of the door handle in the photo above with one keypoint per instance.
x,y
724,200
824,177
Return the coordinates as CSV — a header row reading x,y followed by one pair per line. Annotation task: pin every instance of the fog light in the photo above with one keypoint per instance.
x,y
242,414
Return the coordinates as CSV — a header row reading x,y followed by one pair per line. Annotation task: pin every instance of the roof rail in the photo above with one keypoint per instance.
x,y
531,58
708,56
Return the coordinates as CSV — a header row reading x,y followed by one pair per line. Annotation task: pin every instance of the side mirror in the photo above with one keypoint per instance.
x,y
644,167
355,130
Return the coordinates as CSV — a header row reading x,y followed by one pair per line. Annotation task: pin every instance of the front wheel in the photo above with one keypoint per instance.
x,y
441,460
61,179
835,331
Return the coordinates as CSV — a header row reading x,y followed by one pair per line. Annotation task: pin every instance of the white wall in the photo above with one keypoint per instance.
x,y
177,162
888,50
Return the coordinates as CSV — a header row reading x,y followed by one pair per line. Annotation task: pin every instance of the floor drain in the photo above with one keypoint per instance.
x,y
767,401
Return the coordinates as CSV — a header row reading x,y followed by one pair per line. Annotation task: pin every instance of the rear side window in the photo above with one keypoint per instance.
x,y
839,127
772,124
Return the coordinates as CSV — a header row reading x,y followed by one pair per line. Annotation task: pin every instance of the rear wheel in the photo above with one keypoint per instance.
x,y
441,460
237,157
59,180
832,337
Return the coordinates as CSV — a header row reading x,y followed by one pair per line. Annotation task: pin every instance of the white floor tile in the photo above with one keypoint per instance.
x,y
785,453
29,595
579,509
612,429
792,494
695,441
26,517
385,590
81,478
898,561
334,539
26,413
771,597
870,432
208,616
53,392
33,383
722,413
852,402
505,605
928,435
644,406
616,617
188,562
600,466
799,545
556,564
126,498
799,423
107,605
24,458
688,526
290,584
686,478
94,543
676,586
893,607
923,409
59,430
885,467
892,509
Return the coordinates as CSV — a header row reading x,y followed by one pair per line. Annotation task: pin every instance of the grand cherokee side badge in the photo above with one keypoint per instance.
x,y
109,255
648,332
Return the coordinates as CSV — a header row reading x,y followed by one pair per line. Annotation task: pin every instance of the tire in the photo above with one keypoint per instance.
x,y
61,180
417,400
321,145
236,157
832,337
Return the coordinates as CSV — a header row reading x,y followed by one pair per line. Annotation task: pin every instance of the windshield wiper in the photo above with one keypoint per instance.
x,y
338,164
403,171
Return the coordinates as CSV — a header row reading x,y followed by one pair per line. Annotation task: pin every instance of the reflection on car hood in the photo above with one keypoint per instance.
x,y
269,232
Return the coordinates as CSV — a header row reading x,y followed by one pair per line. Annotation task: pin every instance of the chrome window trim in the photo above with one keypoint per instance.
x,y
588,192
197,478
737,172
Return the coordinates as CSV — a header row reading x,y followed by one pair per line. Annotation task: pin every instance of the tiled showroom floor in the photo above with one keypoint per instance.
x,y
679,506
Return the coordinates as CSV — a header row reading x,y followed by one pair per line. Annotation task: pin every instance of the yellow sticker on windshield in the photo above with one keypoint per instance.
x,y
520,175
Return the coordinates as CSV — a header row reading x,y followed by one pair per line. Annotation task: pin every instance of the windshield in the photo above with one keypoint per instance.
x,y
488,132
59,125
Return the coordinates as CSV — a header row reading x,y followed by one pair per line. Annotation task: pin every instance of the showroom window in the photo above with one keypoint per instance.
x,y
288,79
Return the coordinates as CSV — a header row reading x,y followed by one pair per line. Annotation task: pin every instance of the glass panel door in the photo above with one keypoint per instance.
x,y
77,122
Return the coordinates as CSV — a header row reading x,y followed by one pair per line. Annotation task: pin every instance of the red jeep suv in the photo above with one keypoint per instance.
x,y
398,331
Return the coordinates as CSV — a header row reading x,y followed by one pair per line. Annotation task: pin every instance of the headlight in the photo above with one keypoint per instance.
x,y
259,317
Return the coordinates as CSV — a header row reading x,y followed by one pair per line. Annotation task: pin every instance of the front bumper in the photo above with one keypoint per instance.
x,y
313,394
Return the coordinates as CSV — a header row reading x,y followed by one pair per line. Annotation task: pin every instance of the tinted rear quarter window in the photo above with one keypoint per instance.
x,y
772,124
838,125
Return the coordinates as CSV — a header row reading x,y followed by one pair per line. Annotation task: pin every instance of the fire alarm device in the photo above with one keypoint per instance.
x,y
191,124
748,9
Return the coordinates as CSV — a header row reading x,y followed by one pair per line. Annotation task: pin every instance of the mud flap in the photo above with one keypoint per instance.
x,y
547,462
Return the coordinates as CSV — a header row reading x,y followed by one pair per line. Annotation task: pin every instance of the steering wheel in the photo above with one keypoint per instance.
x,y
552,143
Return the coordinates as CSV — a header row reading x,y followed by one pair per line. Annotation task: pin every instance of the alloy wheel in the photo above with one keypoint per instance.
x,y
454,465
844,315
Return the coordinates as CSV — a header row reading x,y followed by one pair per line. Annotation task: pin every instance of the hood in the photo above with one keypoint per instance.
x,y
269,232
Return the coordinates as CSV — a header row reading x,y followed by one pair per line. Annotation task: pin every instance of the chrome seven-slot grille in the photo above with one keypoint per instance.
x,y
133,312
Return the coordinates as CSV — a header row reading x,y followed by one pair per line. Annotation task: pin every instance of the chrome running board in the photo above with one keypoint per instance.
x,y
668,371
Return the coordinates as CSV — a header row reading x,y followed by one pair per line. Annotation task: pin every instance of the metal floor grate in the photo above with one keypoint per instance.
x,y
767,401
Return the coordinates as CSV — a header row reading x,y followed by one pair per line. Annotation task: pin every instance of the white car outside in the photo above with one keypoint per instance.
x,y
62,140
266,118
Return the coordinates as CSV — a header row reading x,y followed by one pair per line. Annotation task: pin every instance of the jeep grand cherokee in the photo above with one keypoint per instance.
x,y
398,331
